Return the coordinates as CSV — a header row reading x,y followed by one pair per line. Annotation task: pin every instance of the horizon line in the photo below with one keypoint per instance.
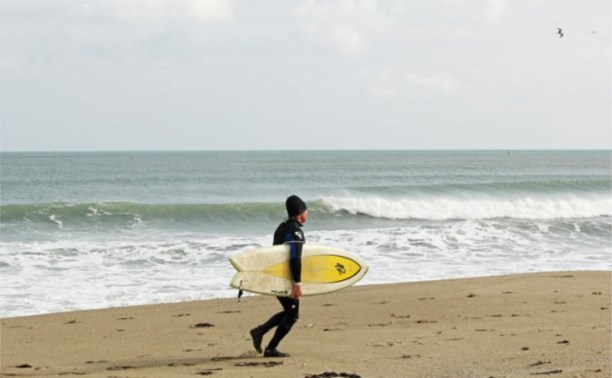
x,y
307,150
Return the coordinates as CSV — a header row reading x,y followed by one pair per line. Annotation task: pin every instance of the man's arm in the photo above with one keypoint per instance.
x,y
296,241
295,261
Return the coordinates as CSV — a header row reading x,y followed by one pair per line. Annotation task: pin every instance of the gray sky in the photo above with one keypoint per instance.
x,y
254,74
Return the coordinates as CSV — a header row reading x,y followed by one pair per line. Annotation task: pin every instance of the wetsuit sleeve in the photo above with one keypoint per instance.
x,y
295,261
295,240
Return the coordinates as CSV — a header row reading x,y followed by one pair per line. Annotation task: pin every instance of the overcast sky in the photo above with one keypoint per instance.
x,y
254,74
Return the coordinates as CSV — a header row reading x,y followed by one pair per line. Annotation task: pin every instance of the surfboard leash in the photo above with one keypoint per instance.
x,y
240,291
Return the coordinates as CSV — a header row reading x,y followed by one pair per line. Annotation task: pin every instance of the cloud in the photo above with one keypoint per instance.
x,y
438,82
384,82
388,82
10,63
494,11
204,11
347,39
343,25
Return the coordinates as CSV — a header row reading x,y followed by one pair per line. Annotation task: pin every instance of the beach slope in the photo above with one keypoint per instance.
x,y
539,324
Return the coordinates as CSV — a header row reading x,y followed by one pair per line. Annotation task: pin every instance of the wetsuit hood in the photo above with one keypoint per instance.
x,y
295,206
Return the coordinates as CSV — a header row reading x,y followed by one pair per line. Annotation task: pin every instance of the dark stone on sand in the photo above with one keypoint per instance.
x,y
333,374
202,325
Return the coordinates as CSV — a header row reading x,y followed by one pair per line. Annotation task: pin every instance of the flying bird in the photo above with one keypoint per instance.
x,y
560,32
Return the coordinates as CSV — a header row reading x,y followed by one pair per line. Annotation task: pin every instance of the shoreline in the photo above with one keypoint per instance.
x,y
552,323
248,295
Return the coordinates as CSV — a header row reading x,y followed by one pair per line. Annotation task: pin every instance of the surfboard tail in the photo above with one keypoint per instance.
x,y
261,283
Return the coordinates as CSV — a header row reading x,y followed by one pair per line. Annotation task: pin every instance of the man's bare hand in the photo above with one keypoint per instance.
x,y
296,291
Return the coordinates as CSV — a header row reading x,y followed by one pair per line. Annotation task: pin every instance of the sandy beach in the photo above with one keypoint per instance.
x,y
544,324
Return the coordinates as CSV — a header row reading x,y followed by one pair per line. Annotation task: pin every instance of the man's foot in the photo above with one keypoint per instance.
x,y
274,353
257,337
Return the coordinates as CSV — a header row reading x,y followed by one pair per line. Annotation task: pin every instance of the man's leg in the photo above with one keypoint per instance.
x,y
291,315
258,332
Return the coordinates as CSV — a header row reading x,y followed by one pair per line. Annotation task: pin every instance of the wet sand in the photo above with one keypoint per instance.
x,y
555,324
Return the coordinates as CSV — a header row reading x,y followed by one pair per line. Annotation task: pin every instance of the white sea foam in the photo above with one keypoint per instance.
x,y
458,207
54,219
43,277
63,276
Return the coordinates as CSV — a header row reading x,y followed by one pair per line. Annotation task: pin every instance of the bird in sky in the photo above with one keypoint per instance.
x,y
560,32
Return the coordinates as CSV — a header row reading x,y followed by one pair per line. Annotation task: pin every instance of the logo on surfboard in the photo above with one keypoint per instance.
x,y
340,268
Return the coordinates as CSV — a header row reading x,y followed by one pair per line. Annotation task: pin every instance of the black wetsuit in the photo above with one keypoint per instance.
x,y
288,232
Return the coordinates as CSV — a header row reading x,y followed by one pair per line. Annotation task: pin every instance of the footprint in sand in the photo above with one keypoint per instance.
x,y
210,371
380,324
116,368
386,343
540,363
550,372
265,364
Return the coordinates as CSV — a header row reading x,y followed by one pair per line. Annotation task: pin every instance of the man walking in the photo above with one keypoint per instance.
x,y
289,232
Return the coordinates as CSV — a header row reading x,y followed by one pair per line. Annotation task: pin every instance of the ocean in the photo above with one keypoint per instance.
x,y
85,230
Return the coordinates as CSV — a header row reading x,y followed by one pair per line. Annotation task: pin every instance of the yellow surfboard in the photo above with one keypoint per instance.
x,y
325,269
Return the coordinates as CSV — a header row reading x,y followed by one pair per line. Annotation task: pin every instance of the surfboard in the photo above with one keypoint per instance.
x,y
325,269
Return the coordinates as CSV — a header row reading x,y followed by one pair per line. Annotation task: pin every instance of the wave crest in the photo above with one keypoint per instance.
x,y
443,208
326,209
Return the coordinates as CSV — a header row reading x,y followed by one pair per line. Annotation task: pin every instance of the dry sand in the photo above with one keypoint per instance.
x,y
545,324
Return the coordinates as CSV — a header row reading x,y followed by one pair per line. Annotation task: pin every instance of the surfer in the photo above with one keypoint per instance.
x,y
288,232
